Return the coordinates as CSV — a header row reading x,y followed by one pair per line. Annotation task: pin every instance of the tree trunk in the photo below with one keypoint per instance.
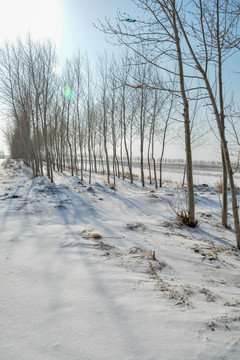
x,y
190,188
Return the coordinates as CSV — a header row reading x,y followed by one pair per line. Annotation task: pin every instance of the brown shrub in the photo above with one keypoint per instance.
x,y
96,236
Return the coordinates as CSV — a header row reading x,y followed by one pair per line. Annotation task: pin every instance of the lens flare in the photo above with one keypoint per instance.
x,y
68,93
56,69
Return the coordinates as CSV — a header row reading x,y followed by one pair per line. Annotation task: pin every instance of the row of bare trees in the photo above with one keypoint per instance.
x,y
86,118
89,118
190,40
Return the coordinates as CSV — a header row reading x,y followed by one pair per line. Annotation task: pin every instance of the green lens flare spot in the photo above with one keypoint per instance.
x,y
68,93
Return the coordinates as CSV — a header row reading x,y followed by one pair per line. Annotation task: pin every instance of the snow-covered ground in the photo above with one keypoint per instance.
x,y
66,295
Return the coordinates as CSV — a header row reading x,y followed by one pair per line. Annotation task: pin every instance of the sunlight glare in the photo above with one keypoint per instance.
x,y
42,19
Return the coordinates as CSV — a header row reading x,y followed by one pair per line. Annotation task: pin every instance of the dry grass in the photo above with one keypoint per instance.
x,y
17,168
7,163
10,164
209,295
96,236
173,183
127,175
167,181
205,216
143,253
219,187
183,218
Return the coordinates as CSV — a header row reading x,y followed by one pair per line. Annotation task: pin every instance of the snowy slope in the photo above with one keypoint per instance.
x,y
66,295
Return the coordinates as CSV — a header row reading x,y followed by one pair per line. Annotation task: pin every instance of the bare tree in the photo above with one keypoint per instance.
x,y
162,25
164,136
223,30
103,70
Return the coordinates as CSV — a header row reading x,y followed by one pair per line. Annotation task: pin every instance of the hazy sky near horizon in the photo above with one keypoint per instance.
x,y
69,23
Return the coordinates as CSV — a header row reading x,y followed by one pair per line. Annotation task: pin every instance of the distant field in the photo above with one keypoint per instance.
x,y
209,173
174,173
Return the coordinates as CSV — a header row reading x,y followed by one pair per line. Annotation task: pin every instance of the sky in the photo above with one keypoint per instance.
x,y
69,23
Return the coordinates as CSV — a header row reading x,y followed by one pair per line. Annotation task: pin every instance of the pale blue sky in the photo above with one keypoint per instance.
x,y
78,16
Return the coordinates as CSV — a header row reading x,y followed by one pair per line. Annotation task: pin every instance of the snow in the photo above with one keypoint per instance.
x,y
66,295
